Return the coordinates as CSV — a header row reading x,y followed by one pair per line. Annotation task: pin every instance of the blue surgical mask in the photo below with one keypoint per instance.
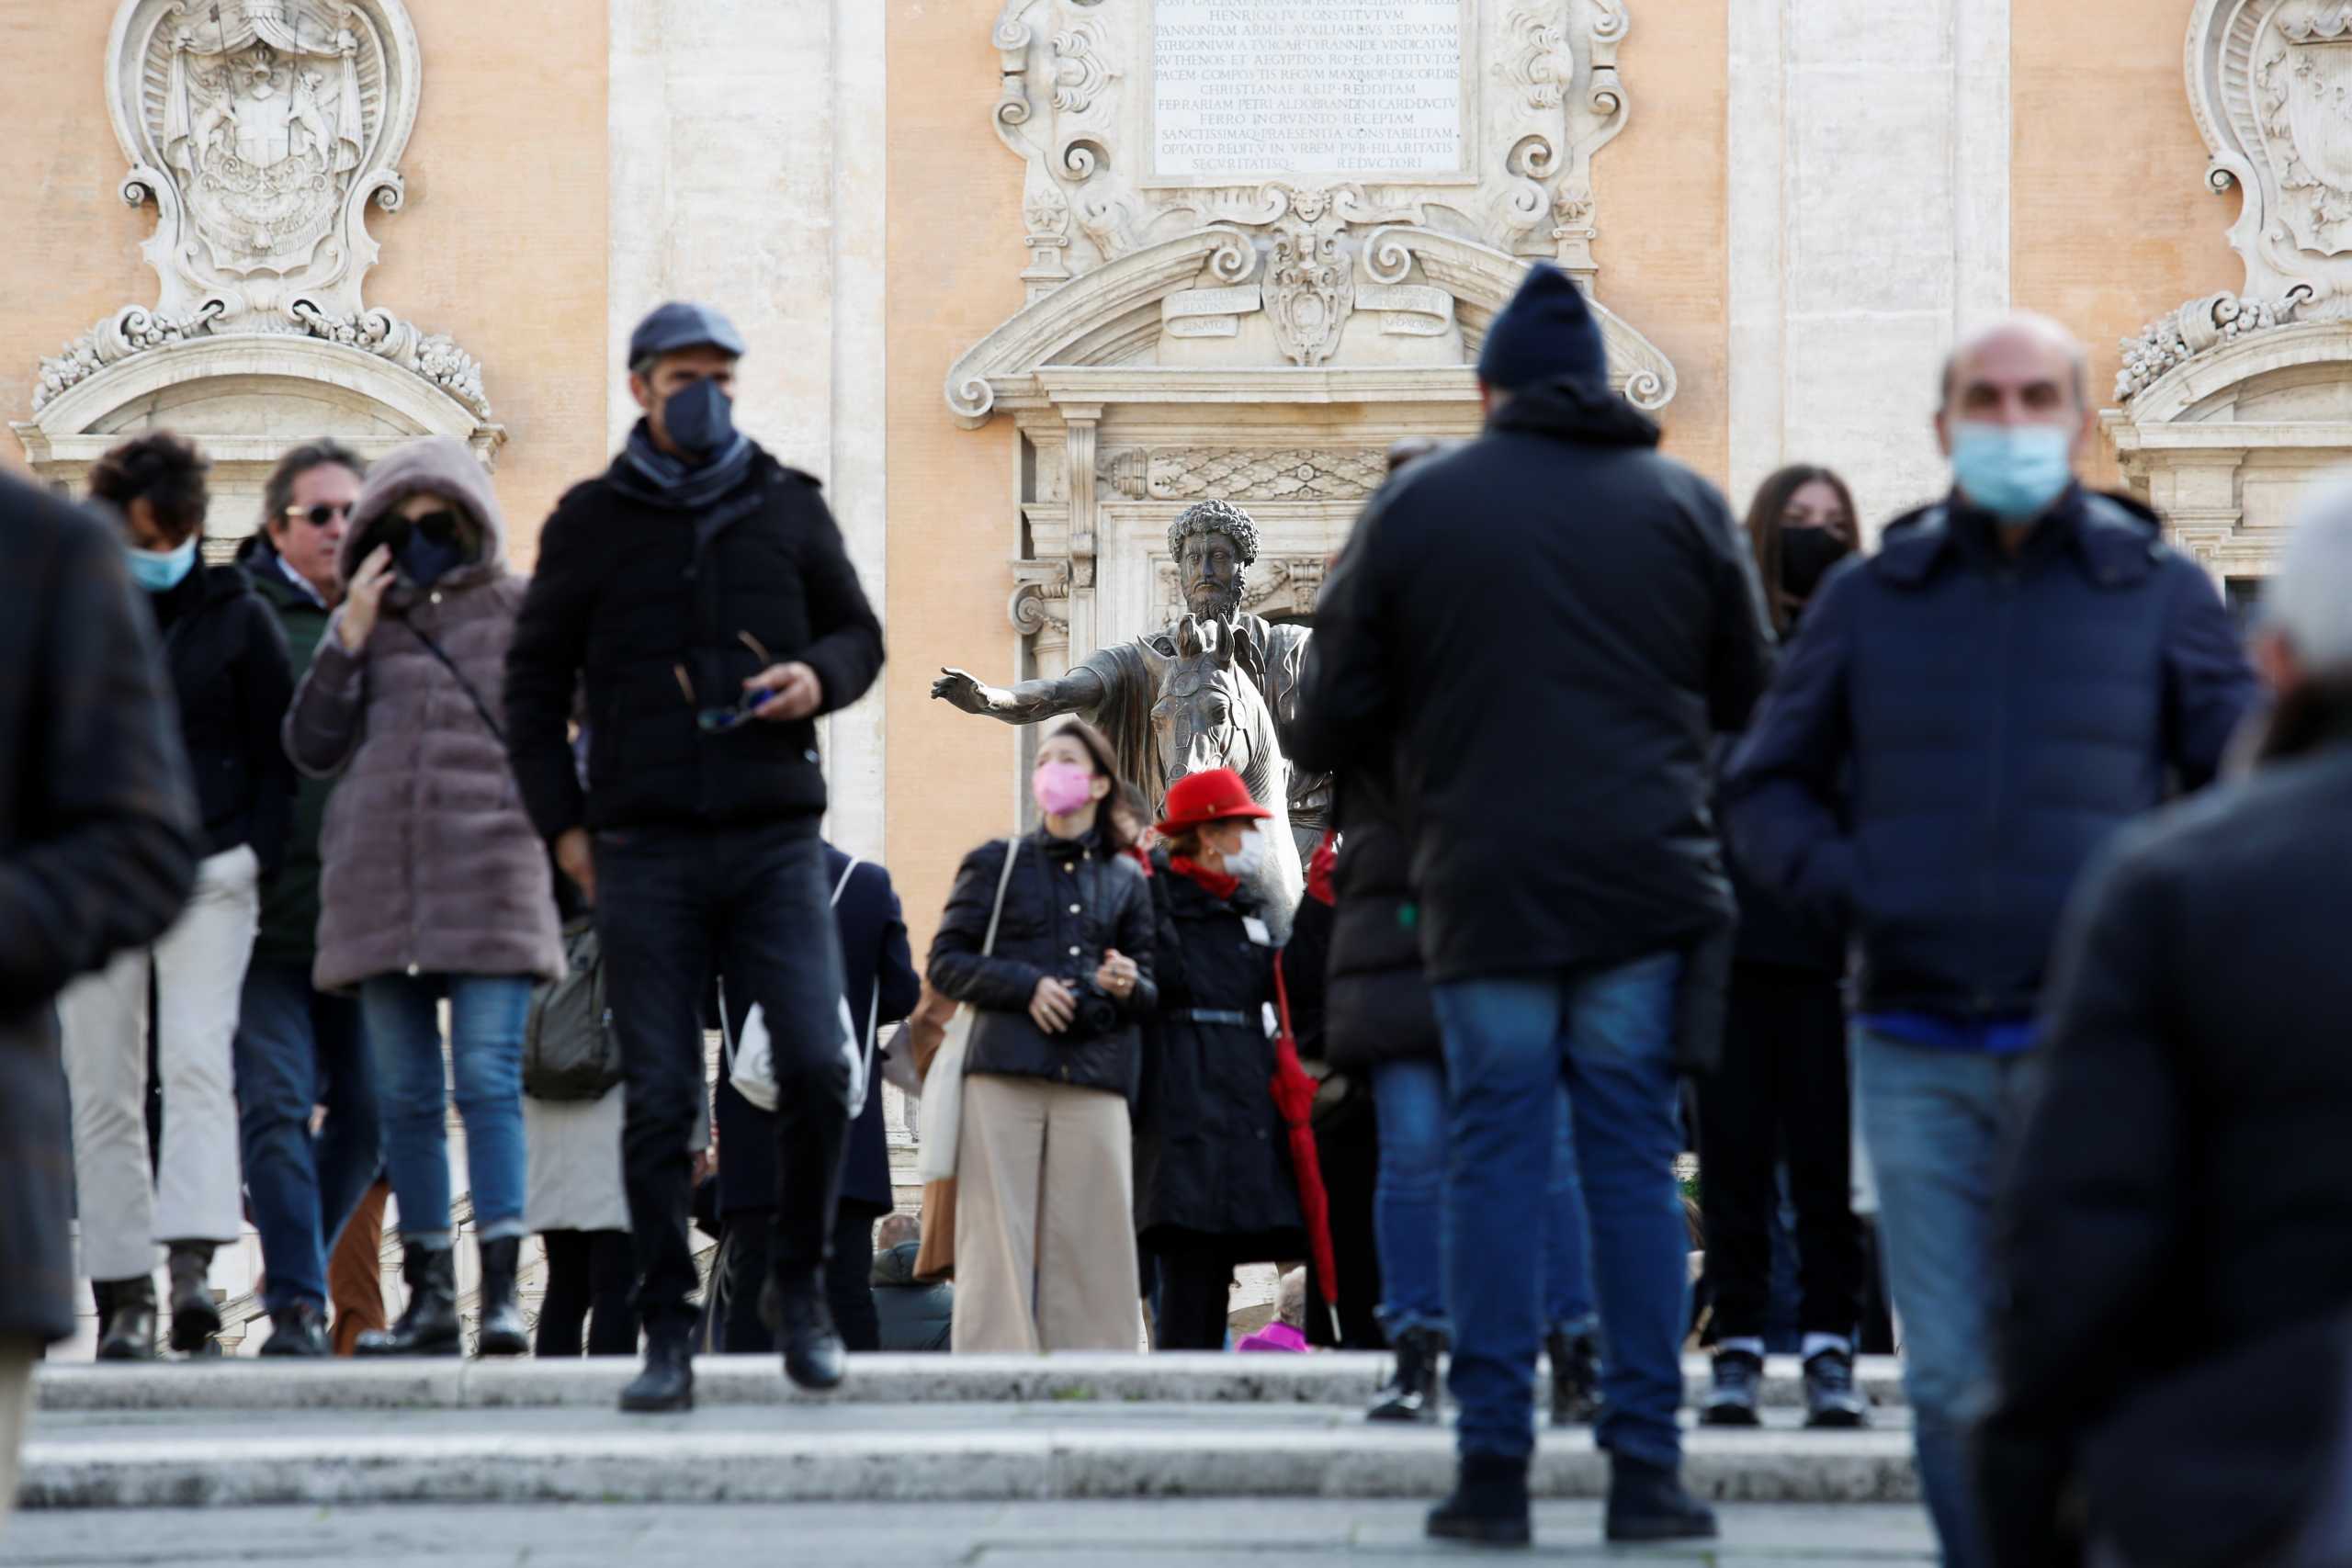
x,y
424,561
700,419
160,571
2013,471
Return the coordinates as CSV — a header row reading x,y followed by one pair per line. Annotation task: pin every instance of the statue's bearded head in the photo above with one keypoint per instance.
x,y
1213,544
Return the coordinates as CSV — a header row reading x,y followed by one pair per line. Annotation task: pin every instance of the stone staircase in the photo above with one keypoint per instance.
x,y
937,1427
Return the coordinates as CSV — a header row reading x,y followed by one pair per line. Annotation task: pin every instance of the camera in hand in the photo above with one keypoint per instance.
x,y
1097,1011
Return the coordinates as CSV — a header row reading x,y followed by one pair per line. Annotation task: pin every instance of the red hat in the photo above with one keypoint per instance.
x,y
1218,795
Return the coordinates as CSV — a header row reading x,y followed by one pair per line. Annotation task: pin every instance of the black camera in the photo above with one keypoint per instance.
x,y
1097,1013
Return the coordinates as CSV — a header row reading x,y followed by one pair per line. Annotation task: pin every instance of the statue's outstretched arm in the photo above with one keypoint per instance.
x,y
1081,691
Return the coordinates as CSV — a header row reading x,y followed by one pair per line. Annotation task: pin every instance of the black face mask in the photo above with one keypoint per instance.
x,y
699,418
1806,556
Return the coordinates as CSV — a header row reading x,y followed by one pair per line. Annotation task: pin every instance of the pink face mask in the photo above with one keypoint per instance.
x,y
1062,788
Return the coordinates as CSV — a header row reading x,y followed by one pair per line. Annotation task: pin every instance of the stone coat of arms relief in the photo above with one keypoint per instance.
x,y
263,131
2253,371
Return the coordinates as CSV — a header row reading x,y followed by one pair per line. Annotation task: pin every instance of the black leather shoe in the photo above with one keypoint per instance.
x,y
1647,1502
667,1384
428,1325
131,1322
1489,1503
1575,1378
502,1332
814,1355
1731,1401
196,1316
1413,1392
300,1330
1830,1397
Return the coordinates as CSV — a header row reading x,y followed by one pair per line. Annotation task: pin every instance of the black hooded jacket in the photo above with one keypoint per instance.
x,y
232,675
1550,625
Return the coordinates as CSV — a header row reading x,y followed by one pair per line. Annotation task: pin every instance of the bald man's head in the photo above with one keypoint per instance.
x,y
2027,352
2016,416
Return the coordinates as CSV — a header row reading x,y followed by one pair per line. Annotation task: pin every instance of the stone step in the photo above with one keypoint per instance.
x,y
1339,1379
846,1452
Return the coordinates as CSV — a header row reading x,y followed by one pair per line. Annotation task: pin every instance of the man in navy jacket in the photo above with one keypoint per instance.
x,y
1963,721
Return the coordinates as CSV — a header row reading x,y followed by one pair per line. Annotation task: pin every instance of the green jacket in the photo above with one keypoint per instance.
x,y
289,897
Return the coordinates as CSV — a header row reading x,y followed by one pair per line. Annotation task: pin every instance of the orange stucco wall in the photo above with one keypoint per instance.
x,y
1664,215
952,277
501,243
2110,222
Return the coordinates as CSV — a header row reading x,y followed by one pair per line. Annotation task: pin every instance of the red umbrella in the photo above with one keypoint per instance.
x,y
1293,1091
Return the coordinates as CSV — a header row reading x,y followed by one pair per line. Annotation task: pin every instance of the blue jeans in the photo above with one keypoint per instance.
x,y
1510,1042
486,1016
298,1048
1934,1119
1408,1209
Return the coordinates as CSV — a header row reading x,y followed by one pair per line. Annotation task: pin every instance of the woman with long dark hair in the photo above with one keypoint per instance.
x,y
1049,938
1780,1095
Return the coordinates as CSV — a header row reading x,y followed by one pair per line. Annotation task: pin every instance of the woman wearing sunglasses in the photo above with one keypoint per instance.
x,y
436,887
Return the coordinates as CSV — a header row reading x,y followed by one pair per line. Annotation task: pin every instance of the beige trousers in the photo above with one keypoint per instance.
x,y
1044,1219
200,973
16,1363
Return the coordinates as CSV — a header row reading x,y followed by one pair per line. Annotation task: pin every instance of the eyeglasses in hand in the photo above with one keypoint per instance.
x,y
719,720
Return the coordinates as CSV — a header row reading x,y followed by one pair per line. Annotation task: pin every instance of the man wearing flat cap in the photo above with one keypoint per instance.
x,y
696,602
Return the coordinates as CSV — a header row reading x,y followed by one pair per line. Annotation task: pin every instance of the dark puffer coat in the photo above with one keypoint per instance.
x,y
629,595
1957,731
230,675
1212,1153
430,864
1376,1005
1066,905
98,846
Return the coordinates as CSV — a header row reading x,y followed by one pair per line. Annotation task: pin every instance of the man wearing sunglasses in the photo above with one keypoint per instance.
x,y
697,602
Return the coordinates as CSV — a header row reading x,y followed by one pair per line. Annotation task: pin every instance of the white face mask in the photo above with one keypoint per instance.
x,y
1247,861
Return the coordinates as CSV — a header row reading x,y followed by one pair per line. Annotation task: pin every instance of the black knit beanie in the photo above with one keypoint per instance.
x,y
1547,333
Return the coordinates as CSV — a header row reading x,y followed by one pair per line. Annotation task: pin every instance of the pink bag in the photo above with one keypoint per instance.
x,y
1275,1335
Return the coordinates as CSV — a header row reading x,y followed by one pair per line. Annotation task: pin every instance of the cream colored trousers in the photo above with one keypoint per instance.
x,y
1044,1219
199,971
17,1363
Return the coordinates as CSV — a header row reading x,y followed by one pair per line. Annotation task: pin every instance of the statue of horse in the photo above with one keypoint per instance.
x,y
1210,715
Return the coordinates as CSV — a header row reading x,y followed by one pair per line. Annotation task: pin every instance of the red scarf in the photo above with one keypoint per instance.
x,y
1318,871
1217,883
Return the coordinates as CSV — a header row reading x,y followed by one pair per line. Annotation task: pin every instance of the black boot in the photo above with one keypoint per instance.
x,y
429,1325
196,1317
1489,1506
503,1333
814,1355
300,1330
1413,1390
1575,1378
131,1320
667,1384
1647,1502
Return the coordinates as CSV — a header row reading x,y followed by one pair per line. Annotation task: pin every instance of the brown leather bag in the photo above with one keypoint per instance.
x,y
926,1032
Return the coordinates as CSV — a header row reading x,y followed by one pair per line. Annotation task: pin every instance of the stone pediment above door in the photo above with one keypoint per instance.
x,y
1351,186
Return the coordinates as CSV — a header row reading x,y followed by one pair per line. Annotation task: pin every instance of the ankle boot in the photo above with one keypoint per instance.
x,y
1647,1502
131,1320
814,1356
429,1325
503,1333
1489,1506
1413,1392
1575,1378
196,1317
667,1384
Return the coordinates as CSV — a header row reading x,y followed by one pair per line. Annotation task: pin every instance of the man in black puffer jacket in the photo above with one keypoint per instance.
x,y
1548,626
1965,718
701,593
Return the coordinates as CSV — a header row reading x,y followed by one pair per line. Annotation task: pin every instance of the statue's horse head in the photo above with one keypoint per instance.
x,y
1210,714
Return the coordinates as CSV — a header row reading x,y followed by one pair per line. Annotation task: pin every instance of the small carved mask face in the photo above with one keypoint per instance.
x,y
1210,570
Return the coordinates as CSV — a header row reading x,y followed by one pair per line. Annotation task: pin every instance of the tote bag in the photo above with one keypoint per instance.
x,y
943,1089
751,1060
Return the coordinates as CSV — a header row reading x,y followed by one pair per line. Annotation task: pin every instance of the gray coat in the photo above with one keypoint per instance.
x,y
430,864
98,844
